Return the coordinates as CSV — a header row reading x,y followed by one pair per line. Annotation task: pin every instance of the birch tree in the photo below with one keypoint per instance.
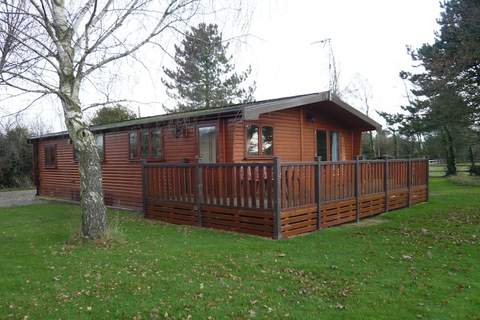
x,y
55,46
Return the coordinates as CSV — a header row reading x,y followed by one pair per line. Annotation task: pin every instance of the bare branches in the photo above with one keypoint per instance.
x,y
49,49
27,106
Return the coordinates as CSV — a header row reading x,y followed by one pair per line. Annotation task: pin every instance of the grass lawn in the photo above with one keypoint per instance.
x,y
422,262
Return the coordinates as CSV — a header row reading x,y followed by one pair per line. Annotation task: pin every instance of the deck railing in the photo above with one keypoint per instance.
x,y
343,180
260,198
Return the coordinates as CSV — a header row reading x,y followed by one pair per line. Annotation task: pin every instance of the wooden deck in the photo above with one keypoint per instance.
x,y
281,199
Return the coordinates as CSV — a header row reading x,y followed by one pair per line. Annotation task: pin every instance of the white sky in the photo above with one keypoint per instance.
x,y
369,40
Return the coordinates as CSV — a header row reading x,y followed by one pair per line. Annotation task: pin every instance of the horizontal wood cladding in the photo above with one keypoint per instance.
x,y
121,178
294,134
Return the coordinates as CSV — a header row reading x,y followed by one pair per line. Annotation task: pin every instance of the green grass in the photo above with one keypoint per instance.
x,y
417,263
465,180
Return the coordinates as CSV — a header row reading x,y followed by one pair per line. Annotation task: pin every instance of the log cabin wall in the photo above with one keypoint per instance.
x,y
294,140
122,177
294,135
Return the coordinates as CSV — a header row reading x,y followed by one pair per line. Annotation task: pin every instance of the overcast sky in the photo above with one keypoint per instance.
x,y
368,38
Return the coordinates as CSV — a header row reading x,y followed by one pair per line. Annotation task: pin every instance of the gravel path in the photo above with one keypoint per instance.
x,y
18,198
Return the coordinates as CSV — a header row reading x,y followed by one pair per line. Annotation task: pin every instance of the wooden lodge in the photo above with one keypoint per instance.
x,y
275,168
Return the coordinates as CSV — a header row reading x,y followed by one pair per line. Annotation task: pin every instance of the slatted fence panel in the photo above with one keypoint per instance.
x,y
337,181
248,185
297,184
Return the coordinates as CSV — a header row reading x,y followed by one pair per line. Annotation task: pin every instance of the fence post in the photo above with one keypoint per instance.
x,y
427,178
144,188
357,188
318,192
409,181
277,210
386,175
199,192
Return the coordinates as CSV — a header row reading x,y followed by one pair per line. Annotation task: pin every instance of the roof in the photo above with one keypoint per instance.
x,y
248,111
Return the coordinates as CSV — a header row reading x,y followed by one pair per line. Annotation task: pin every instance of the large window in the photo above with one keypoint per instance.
x,y
146,144
259,140
99,141
51,155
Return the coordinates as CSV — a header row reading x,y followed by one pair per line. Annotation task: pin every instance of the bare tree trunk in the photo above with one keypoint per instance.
x,y
395,145
93,208
471,157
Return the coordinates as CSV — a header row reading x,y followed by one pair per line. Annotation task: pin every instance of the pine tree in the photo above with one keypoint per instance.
x,y
447,98
204,76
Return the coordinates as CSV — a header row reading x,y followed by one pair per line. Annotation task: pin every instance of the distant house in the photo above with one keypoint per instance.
x,y
294,128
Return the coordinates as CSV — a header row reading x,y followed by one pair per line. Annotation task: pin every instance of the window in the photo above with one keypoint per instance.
x,y
207,144
100,148
332,145
335,145
267,141
146,144
259,140
252,140
133,145
157,143
51,155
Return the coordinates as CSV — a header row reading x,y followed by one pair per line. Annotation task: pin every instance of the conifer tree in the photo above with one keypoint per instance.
x,y
204,76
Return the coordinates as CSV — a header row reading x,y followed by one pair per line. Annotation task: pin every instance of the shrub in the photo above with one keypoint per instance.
x,y
475,170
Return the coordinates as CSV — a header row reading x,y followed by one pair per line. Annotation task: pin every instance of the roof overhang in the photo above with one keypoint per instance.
x,y
249,111
253,112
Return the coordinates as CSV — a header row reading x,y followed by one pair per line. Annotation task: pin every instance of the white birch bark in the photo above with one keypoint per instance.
x,y
94,219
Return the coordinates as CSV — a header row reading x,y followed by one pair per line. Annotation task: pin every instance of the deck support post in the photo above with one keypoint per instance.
x,y
385,181
318,192
357,188
199,192
144,187
427,177
409,181
277,210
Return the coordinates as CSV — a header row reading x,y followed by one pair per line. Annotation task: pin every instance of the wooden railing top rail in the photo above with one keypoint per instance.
x,y
210,165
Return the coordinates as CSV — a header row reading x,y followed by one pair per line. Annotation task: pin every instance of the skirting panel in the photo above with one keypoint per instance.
x,y
303,219
250,221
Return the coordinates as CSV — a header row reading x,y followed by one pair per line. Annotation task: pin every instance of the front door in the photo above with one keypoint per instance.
x,y
207,144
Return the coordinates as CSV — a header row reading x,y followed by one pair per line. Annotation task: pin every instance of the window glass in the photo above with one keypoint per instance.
x,y
145,151
100,145
133,145
207,144
335,145
156,143
50,155
252,140
267,141
322,144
